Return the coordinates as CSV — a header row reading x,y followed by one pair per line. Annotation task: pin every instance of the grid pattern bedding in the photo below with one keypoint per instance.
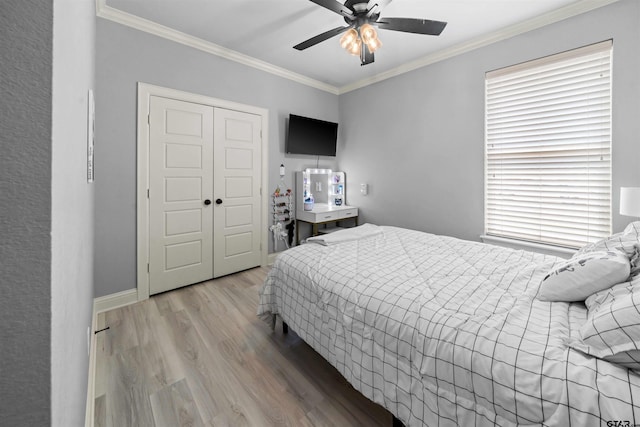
x,y
446,332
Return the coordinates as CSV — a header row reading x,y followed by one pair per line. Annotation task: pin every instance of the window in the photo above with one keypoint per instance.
x,y
548,148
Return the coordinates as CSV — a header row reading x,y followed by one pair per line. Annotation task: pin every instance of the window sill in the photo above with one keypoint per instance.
x,y
529,246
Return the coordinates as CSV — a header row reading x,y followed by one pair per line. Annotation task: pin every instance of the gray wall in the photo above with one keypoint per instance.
x,y
25,222
72,210
421,145
125,56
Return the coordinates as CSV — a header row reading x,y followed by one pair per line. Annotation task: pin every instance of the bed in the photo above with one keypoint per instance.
x,y
447,332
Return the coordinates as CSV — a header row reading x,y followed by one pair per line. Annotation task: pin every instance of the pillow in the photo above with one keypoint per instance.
x,y
628,241
584,275
628,237
612,329
632,228
607,296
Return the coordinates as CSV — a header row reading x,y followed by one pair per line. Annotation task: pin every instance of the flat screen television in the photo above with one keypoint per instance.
x,y
311,136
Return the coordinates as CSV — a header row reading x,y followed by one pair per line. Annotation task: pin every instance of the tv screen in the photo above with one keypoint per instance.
x,y
311,136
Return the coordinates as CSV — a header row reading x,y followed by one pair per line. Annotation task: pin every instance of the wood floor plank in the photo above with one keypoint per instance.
x,y
232,418
191,351
162,365
269,392
127,401
213,384
350,403
200,356
144,315
327,414
167,302
173,406
100,411
121,334
208,318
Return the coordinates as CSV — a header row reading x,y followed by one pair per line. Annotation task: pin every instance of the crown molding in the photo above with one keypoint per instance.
x,y
496,36
112,14
107,12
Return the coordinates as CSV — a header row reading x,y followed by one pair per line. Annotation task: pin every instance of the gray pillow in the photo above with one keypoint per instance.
x,y
585,274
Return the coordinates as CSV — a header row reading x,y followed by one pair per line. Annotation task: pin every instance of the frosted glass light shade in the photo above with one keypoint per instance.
x,y
367,32
630,201
354,47
374,44
370,37
348,38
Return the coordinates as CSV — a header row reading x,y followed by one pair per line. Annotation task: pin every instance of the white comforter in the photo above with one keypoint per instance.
x,y
442,331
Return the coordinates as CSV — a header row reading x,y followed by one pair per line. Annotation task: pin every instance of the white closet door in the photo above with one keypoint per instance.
x,y
237,175
180,194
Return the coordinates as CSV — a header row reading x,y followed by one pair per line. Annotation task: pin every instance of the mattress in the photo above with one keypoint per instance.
x,y
445,332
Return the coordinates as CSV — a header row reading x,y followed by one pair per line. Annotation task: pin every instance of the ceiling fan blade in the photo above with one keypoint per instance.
x,y
335,6
376,6
412,25
321,37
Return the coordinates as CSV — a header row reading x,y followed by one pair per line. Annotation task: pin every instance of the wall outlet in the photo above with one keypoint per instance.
x,y
364,189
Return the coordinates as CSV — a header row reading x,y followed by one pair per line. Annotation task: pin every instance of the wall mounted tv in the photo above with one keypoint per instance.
x,y
311,136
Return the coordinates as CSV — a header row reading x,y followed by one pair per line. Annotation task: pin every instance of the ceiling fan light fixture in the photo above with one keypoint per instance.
x,y
368,33
370,37
348,38
374,44
355,47
352,41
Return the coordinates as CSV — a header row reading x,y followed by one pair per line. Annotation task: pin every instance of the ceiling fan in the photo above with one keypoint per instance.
x,y
362,16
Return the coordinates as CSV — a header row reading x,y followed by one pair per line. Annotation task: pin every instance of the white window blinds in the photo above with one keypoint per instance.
x,y
548,148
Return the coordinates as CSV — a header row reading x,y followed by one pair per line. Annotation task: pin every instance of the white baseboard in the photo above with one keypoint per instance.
x,y
90,406
109,302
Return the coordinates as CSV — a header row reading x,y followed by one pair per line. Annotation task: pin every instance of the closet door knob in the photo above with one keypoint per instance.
x,y
207,202
218,201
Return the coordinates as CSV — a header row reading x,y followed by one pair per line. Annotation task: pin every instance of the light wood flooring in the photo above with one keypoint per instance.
x,y
199,356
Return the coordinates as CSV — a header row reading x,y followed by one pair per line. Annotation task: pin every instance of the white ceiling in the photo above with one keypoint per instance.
x,y
267,30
